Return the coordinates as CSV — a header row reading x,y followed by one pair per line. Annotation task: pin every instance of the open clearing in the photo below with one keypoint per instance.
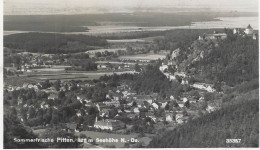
x,y
103,50
147,57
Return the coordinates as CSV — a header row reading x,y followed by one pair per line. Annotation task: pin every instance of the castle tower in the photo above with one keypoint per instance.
x,y
249,30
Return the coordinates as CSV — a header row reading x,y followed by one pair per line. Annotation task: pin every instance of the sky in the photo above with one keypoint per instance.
x,y
38,6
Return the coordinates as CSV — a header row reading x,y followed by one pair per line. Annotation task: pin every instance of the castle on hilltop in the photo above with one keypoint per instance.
x,y
249,32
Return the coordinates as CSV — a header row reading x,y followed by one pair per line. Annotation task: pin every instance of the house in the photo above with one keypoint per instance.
x,y
84,85
178,118
169,117
36,88
255,36
109,124
104,112
249,30
19,101
101,66
180,104
10,88
164,104
237,31
151,115
215,36
201,99
175,53
25,85
112,103
193,100
184,99
53,96
30,86
114,96
155,106
78,113
204,86
131,116
141,98
163,68
136,110
210,108
44,105
184,81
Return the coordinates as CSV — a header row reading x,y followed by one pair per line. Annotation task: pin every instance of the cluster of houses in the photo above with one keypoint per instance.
x,y
248,32
126,102
138,107
36,87
104,65
214,36
35,61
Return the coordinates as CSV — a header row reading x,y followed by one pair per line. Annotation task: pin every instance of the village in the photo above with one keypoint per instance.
x,y
119,108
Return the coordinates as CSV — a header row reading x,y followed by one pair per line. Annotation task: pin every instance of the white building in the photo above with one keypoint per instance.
x,y
155,106
163,67
109,124
249,30
203,86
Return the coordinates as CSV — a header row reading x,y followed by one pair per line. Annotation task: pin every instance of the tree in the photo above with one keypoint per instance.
x,y
129,50
97,54
195,94
187,104
31,112
61,95
178,78
56,84
13,129
208,96
55,117
171,69
57,133
137,68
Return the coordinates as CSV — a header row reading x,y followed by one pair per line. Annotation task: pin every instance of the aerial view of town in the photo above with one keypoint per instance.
x,y
139,77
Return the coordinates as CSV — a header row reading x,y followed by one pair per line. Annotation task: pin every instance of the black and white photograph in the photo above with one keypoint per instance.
x,y
87,74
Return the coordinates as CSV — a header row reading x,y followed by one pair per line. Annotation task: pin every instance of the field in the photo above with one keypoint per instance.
x,y
103,50
137,40
35,77
144,57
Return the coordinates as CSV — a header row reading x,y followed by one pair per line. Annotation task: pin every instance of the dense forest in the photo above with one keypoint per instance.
x,y
150,80
51,43
234,61
238,121
14,129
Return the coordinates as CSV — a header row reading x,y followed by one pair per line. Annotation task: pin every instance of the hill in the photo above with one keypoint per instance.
x,y
238,121
51,43
233,61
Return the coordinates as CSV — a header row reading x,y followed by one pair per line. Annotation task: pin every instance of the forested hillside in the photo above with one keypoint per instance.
x,y
233,60
52,43
238,121
14,129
